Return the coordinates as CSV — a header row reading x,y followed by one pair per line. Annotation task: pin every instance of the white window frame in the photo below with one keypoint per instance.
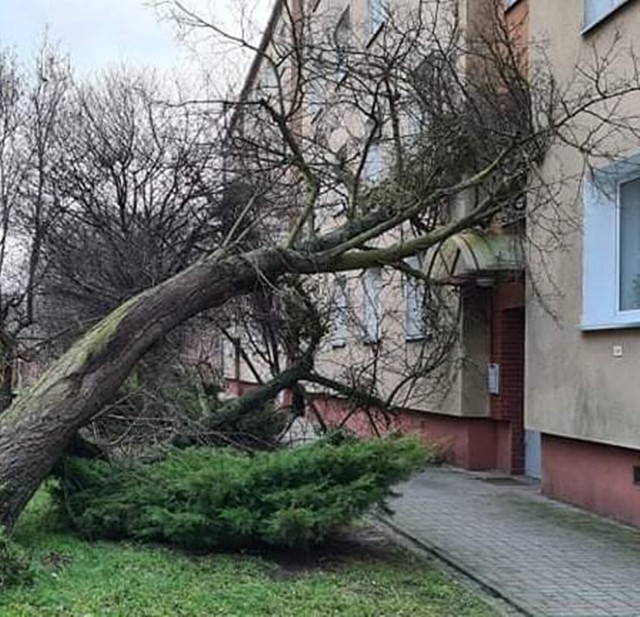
x,y
339,326
608,7
601,248
372,304
415,327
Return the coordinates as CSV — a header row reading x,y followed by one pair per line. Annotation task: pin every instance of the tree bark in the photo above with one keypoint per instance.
x,y
6,385
38,426
235,410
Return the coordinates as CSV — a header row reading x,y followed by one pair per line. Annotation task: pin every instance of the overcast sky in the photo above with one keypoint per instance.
x,y
99,33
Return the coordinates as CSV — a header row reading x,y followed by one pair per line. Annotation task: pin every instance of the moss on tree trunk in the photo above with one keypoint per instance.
x,y
39,425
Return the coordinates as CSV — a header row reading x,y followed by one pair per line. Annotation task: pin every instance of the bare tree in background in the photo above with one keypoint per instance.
x,y
31,106
139,203
135,181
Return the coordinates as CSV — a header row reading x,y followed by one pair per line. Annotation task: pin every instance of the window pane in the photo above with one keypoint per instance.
x,y
315,97
341,307
371,283
342,34
414,303
374,165
629,234
596,9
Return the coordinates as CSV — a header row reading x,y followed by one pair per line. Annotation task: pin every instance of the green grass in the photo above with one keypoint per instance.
x,y
78,578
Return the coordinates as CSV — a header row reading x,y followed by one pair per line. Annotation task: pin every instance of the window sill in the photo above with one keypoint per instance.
x,y
594,24
415,338
595,327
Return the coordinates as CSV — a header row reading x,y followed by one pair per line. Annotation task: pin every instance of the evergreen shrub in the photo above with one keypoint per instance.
x,y
15,567
205,498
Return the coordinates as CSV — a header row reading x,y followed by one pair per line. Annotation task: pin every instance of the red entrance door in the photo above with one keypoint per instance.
x,y
507,352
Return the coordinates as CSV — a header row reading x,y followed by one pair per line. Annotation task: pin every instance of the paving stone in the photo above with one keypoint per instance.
x,y
544,557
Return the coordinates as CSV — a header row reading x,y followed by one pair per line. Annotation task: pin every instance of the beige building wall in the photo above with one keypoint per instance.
x,y
578,384
458,388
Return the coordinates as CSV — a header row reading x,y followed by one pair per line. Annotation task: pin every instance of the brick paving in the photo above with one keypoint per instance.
x,y
541,556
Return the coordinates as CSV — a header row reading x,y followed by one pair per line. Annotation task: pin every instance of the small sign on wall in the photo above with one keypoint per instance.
x,y
493,378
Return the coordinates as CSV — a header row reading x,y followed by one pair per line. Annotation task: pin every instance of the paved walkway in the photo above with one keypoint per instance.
x,y
544,557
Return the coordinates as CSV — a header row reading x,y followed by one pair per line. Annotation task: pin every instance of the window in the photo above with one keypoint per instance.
x,y
597,10
315,96
371,287
342,41
414,297
611,252
374,165
629,245
269,81
340,314
432,82
415,119
377,15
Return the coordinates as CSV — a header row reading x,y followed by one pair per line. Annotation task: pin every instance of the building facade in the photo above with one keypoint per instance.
x,y
548,345
581,338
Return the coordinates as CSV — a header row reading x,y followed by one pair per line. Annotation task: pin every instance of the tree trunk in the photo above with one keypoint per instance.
x,y
38,426
6,385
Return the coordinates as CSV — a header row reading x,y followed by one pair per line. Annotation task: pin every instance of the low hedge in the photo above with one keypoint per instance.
x,y
201,498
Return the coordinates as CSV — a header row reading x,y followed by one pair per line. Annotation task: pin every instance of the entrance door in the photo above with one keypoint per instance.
x,y
507,353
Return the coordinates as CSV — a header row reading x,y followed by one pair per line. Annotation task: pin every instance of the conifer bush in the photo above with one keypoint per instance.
x,y
203,498
15,567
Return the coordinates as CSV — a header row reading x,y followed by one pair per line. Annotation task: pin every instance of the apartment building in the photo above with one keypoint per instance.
x,y
581,359
542,383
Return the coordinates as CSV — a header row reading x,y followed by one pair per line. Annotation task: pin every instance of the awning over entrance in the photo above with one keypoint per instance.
x,y
473,255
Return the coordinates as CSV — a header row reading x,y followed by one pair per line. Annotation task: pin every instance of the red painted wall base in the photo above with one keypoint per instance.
x,y
472,443
476,444
594,476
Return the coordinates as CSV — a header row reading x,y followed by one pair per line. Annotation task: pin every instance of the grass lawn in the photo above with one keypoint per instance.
x,y
367,577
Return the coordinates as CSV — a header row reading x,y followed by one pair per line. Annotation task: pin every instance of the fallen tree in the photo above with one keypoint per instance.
x,y
35,430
